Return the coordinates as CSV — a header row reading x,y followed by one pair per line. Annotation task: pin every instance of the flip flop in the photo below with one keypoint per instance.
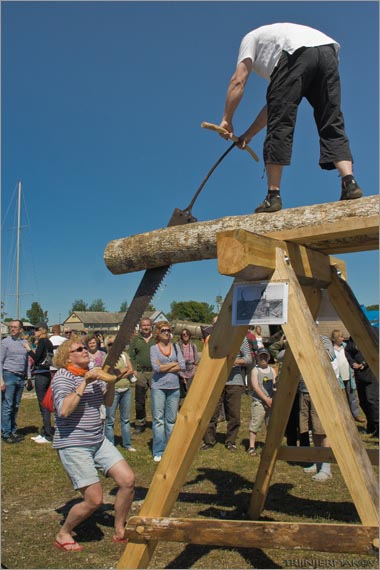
x,y
120,540
64,546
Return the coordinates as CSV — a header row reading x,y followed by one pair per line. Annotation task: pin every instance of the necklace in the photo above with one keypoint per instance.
x,y
165,351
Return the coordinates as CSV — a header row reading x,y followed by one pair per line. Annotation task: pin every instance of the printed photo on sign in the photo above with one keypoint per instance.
x,y
261,303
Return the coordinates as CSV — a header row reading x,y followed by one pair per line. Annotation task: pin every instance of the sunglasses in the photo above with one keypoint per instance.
x,y
67,332
110,344
79,349
165,331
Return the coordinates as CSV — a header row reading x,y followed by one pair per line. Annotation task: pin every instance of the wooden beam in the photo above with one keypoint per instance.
x,y
355,321
248,534
329,400
246,255
337,227
191,423
317,454
282,404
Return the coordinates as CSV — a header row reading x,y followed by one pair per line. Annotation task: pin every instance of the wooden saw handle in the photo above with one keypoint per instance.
x,y
100,374
222,131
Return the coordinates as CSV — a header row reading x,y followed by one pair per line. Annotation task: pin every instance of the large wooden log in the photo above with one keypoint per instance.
x,y
263,534
337,227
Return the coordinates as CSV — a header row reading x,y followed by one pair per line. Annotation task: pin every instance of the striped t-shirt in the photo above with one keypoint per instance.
x,y
83,426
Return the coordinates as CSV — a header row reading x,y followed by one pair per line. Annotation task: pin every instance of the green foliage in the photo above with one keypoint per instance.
x,y
372,308
151,308
36,314
123,307
97,305
194,311
78,305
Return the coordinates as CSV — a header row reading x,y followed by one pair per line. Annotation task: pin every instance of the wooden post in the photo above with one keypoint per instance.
x,y
248,534
328,399
355,321
282,404
192,421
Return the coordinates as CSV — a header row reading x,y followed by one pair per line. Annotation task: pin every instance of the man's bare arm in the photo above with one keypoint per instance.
x,y
235,93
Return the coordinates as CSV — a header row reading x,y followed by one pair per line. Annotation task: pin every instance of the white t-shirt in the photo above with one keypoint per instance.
x,y
56,340
344,367
265,44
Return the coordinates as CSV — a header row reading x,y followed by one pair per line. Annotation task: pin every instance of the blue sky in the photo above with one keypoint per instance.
x,y
101,110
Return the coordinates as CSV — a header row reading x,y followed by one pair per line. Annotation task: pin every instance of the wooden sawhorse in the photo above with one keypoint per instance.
x,y
247,256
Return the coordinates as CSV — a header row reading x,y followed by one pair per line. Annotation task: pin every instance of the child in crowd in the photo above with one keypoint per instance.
x,y
263,380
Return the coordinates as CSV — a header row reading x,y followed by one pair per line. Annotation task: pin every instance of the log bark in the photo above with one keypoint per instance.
x,y
259,534
337,227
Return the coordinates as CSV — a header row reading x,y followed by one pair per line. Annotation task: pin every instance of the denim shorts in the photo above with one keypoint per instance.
x,y
81,462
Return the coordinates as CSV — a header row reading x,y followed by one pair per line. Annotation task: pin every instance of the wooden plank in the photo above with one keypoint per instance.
x,y
329,400
248,534
317,454
348,308
282,404
246,255
351,225
335,239
192,421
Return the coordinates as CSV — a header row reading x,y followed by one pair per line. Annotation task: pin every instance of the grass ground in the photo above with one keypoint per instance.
x,y
36,495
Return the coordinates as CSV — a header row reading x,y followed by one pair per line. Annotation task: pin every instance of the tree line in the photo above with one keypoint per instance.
x,y
193,311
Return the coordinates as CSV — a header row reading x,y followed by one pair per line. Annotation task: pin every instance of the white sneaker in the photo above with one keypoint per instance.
x,y
130,448
157,458
36,438
322,476
311,469
42,440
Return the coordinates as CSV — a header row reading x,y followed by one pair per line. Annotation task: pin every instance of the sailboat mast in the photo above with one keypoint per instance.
x,y
18,252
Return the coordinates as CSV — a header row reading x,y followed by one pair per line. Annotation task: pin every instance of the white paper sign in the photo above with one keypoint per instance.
x,y
261,303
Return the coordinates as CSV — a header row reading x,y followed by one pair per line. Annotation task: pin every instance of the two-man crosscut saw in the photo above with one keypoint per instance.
x,y
152,278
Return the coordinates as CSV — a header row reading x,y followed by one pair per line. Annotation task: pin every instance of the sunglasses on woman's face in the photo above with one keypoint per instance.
x,y
165,330
79,349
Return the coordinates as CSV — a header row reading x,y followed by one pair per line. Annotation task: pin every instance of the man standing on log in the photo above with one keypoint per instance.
x,y
298,61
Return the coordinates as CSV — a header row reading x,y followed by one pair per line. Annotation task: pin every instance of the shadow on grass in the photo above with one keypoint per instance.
x,y
234,492
27,430
192,553
89,530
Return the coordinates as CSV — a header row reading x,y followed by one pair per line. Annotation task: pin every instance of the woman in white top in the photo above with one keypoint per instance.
x,y
346,374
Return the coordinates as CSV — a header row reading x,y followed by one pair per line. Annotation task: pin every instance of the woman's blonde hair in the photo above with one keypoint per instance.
x,y
158,326
62,354
335,334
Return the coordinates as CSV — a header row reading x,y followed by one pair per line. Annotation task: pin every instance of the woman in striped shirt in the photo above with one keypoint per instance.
x,y
79,439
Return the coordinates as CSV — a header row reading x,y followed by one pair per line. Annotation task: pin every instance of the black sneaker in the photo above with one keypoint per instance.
x,y
351,192
231,447
270,204
11,439
139,429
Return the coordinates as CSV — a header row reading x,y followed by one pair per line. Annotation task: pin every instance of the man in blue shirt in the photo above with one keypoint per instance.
x,y
15,369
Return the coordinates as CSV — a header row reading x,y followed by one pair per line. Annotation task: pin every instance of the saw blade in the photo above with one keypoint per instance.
x,y
146,290
149,284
